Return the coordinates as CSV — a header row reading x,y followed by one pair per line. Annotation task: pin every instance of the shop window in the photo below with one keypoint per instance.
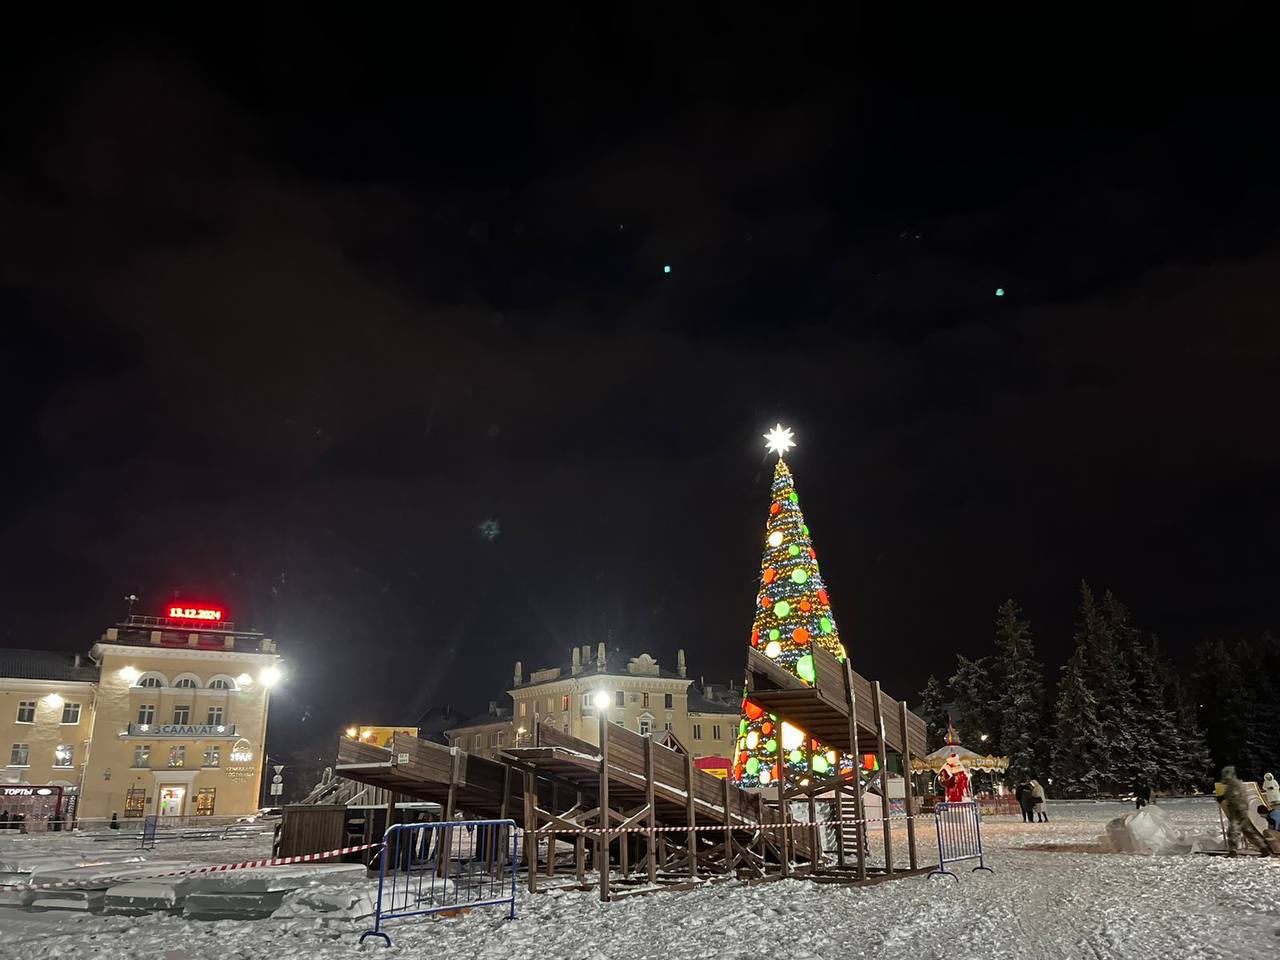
x,y
20,755
204,801
142,755
213,756
147,714
135,802
64,755
182,714
26,711
697,731
215,717
666,701
178,756
71,713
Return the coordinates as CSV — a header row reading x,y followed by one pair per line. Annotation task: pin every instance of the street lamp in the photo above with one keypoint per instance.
x,y
601,700
983,738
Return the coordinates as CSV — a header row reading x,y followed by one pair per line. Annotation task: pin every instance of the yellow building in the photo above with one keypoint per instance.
x,y
165,715
643,696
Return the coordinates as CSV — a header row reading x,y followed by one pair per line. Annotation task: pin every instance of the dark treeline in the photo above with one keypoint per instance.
x,y
1120,715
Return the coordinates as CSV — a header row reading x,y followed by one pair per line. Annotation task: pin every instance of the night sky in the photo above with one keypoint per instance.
x,y
287,316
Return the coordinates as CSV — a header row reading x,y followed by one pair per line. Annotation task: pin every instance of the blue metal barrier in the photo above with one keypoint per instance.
x,y
442,867
149,833
959,836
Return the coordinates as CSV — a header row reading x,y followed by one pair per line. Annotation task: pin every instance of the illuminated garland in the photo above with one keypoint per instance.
x,y
793,613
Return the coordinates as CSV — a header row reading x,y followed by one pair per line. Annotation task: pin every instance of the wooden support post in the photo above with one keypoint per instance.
x,y
815,835
531,830
651,849
691,813
883,754
909,788
784,811
838,810
551,837
728,826
602,845
859,808
580,850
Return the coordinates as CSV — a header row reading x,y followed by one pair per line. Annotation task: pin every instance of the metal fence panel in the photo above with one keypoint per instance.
x,y
445,867
959,836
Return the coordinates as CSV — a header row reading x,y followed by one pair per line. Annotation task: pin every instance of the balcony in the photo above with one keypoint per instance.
x,y
183,731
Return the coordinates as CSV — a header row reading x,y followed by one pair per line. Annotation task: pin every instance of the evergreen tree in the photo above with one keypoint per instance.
x,y
1218,688
1127,746
1019,700
933,710
1080,750
1159,741
1192,768
974,688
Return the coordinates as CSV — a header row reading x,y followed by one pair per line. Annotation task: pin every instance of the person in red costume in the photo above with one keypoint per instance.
x,y
954,779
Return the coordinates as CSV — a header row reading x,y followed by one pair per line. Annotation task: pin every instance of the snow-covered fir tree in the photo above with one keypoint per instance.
x,y
1080,747
1019,698
933,710
974,690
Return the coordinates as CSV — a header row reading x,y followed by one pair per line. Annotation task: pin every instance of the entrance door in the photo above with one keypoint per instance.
x,y
171,801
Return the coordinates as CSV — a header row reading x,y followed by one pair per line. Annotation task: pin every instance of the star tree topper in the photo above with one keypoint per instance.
x,y
779,440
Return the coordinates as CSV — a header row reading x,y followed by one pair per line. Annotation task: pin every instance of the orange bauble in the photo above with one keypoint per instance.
x,y
800,635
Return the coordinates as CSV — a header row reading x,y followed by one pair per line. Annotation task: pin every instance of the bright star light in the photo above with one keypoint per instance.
x,y
779,440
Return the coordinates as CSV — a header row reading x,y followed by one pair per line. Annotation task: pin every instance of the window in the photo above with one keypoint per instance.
x,y
697,731
219,683
142,755
645,727
64,755
620,699
715,731
178,756
620,722
71,713
213,756
182,714
645,704
146,714
587,706
524,708
475,742
215,717
186,683
502,738
135,802
667,726
154,682
204,801
564,702
666,701
20,755
26,711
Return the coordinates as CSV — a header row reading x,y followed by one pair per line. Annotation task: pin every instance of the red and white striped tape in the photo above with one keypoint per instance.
x,y
216,868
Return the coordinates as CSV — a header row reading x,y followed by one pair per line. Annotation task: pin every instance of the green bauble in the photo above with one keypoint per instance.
x,y
799,575
781,609
753,765
771,746
824,625
793,550
795,756
804,667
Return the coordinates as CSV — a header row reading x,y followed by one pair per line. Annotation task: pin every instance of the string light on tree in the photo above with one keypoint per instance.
x,y
793,614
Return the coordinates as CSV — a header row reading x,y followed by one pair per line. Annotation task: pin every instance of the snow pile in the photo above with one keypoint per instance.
x,y
1150,831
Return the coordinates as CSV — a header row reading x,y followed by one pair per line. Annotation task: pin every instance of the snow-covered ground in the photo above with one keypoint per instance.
x,y
1040,903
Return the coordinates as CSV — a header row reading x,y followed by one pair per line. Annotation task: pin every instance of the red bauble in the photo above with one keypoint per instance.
x,y
765,601
805,606
775,509
813,554
800,635
769,574
822,596
755,638
753,710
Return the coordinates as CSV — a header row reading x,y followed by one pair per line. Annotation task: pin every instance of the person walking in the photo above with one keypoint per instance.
x,y
1038,799
1235,802
1023,794
1142,795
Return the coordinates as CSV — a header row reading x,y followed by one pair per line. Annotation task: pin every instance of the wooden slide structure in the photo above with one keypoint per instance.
x,y
642,808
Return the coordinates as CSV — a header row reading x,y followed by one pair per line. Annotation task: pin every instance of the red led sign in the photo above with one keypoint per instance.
x,y
195,613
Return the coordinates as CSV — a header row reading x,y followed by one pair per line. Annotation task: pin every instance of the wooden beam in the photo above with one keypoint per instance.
x,y
691,815
784,812
859,808
728,829
580,848
815,843
910,788
531,830
838,810
651,849
884,774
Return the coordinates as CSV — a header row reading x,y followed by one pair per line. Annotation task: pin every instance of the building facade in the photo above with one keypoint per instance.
x,y
164,715
643,697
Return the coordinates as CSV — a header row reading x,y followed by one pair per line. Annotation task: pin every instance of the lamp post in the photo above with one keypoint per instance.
x,y
602,845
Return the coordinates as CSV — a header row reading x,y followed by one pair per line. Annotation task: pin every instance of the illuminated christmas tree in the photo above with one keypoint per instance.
x,y
793,613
